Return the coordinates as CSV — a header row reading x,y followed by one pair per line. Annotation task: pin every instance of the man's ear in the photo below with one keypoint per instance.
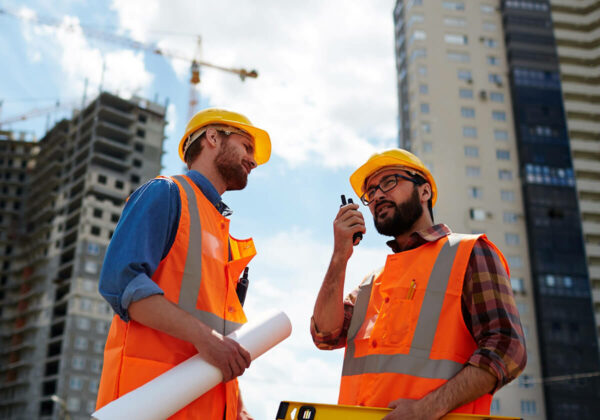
x,y
426,192
212,137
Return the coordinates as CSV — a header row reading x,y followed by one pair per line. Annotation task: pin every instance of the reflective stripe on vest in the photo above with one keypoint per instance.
x,y
417,362
192,274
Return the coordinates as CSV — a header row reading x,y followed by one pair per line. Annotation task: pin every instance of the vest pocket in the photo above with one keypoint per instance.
x,y
393,325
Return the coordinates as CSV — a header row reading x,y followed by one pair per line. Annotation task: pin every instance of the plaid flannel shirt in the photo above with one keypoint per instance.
x,y
488,309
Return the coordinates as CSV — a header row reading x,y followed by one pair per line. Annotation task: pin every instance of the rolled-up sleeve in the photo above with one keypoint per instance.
x,y
492,316
141,240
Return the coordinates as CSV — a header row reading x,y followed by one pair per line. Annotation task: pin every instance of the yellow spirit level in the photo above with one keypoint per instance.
x,y
293,410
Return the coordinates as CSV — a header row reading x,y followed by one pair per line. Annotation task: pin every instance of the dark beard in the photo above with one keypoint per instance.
x,y
404,216
230,167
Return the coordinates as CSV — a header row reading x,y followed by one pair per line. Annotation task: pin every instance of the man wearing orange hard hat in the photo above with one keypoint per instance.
x,y
171,270
436,329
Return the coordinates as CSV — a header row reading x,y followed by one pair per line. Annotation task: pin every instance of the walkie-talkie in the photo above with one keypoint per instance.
x,y
357,235
242,286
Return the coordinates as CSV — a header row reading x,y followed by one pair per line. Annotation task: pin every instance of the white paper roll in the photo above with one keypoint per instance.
x,y
170,392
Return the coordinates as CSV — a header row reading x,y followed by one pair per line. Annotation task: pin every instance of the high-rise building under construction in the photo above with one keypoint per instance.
x,y
61,199
480,100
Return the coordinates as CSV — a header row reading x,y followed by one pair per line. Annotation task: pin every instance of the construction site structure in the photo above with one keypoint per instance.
x,y
65,195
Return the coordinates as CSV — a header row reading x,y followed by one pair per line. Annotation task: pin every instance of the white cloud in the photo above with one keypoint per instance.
x,y
326,85
172,120
287,275
124,70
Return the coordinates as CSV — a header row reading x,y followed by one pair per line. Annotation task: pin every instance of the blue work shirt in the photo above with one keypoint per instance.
x,y
143,237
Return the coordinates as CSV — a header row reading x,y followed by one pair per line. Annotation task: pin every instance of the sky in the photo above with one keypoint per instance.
x,y
326,93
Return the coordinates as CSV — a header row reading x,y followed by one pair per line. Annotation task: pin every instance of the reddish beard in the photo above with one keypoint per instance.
x,y
229,165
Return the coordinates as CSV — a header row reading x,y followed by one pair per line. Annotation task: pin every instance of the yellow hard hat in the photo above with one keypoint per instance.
x,y
391,157
262,141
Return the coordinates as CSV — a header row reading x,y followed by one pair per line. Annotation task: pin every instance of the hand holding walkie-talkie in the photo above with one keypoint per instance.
x,y
357,235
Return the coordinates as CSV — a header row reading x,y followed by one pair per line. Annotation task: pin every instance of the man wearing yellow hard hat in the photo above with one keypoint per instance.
x,y
171,270
436,329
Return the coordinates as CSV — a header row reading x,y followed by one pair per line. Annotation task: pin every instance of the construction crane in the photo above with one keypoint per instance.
x,y
196,63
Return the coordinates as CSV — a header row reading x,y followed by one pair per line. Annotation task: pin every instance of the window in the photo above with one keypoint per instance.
x,y
114,218
96,366
424,108
102,179
489,26
505,174
471,151
528,407
495,78
90,267
135,178
511,239
119,184
97,213
93,249
475,192
517,262
417,35
78,363
455,21
467,112
492,61
470,132
499,115
73,404
85,305
422,70
418,53
507,195
458,57
83,323
466,93
99,346
517,284
425,127
510,217
95,230
427,147
465,75
489,42
91,405
525,381
501,135
93,385
80,343
456,39
496,97
88,285
550,280
142,118
139,147
487,8
75,383
453,5
473,171
477,214
502,154
101,327
140,133
423,88
415,18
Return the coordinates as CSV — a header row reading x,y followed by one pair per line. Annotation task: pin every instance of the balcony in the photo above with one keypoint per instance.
x,y
113,130
121,117
117,165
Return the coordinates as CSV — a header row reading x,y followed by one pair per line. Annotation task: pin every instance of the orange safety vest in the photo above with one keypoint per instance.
x,y
199,274
405,343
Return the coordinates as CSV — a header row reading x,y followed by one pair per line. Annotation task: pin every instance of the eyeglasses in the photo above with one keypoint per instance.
x,y
387,184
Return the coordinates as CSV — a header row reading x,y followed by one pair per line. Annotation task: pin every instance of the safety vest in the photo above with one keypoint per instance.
x,y
407,335
199,274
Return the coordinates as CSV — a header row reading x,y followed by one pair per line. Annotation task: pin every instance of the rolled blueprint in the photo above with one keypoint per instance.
x,y
156,400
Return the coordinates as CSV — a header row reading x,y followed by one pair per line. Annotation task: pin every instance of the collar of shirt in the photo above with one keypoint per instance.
x,y
419,238
210,192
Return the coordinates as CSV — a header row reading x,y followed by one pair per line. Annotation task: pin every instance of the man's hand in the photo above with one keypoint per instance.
x,y
243,414
347,222
225,354
405,409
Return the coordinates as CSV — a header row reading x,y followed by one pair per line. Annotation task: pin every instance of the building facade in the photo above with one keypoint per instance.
x,y
576,29
53,321
477,102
